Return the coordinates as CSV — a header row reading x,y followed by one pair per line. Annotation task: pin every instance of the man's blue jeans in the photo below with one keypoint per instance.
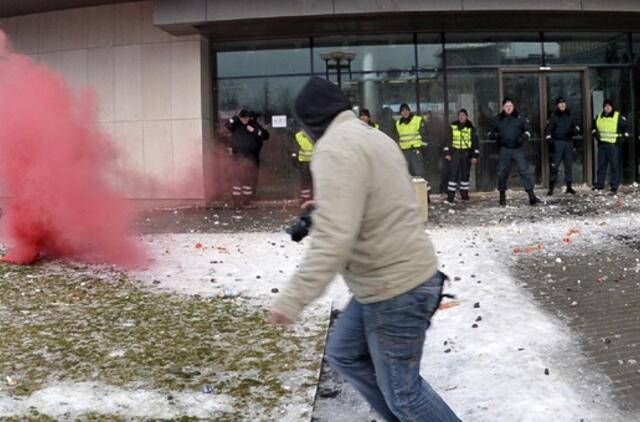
x,y
378,348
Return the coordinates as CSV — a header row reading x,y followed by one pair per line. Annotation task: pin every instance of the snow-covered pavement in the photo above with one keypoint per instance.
x,y
492,352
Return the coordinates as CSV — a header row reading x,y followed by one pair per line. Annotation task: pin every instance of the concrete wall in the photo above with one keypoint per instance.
x,y
152,87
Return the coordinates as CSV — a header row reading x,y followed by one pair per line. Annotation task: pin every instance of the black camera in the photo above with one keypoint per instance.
x,y
300,229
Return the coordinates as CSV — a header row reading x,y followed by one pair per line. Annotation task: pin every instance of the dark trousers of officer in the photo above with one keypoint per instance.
x,y
563,154
415,161
459,170
608,155
508,156
245,177
306,184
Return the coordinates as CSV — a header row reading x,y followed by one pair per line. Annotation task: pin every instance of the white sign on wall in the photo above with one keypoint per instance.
x,y
279,120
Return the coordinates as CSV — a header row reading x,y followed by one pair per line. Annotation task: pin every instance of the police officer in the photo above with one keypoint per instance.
x,y
247,137
560,130
302,160
511,131
412,138
365,116
461,151
610,127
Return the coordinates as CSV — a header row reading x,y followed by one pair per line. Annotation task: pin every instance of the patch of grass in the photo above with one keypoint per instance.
x,y
68,325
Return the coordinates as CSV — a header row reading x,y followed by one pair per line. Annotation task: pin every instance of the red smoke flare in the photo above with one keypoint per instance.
x,y
55,170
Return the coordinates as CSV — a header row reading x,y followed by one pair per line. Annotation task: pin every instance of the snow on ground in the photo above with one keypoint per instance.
x,y
495,356
495,370
65,399
250,264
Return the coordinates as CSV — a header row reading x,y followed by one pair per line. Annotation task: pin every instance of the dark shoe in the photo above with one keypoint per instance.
x,y
614,191
450,197
597,187
570,189
464,195
503,198
551,187
533,199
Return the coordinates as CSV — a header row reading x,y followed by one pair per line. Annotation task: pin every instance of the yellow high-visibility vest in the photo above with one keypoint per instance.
x,y
305,147
460,139
376,126
410,133
608,127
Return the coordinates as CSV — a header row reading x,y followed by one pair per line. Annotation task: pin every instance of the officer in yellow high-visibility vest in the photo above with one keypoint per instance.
x,y
302,158
610,128
365,116
461,151
412,138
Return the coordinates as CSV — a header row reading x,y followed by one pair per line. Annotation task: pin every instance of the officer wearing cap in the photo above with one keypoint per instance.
x,y
412,138
461,151
560,130
610,128
365,116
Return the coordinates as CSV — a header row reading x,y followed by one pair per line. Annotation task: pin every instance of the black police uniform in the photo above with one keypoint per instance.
x,y
560,130
511,131
245,147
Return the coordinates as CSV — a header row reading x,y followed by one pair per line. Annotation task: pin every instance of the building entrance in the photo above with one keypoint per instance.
x,y
534,92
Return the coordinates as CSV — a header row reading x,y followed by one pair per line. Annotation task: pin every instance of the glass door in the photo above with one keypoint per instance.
x,y
534,93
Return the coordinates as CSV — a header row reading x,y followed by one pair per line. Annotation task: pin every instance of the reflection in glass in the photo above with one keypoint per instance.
x,y
268,97
585,48
477,92
387,53
483,49
294,58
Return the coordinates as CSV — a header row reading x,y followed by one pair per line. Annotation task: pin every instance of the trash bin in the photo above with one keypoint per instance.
x,y
420,187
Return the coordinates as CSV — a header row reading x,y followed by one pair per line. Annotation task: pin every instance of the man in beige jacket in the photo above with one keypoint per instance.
x,y
366,226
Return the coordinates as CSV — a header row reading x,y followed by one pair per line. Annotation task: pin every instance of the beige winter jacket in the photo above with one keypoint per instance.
x,y
366,225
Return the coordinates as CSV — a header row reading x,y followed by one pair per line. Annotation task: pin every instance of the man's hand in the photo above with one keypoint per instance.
x,y
277,318
250,128
447,157
474,160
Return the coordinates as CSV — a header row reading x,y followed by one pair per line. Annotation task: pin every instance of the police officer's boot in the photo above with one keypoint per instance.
x,y
570,189
503,198
451,196
551,187
533,199
464,194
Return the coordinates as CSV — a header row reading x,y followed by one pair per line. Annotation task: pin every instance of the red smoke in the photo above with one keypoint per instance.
x,y
55,170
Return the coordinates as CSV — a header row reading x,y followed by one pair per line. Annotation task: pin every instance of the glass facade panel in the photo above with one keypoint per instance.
x,y
585,48
432,108
615,84
569,86
436,80
382,94
476,90
292,57
268,97
430,52
392,53
486,49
